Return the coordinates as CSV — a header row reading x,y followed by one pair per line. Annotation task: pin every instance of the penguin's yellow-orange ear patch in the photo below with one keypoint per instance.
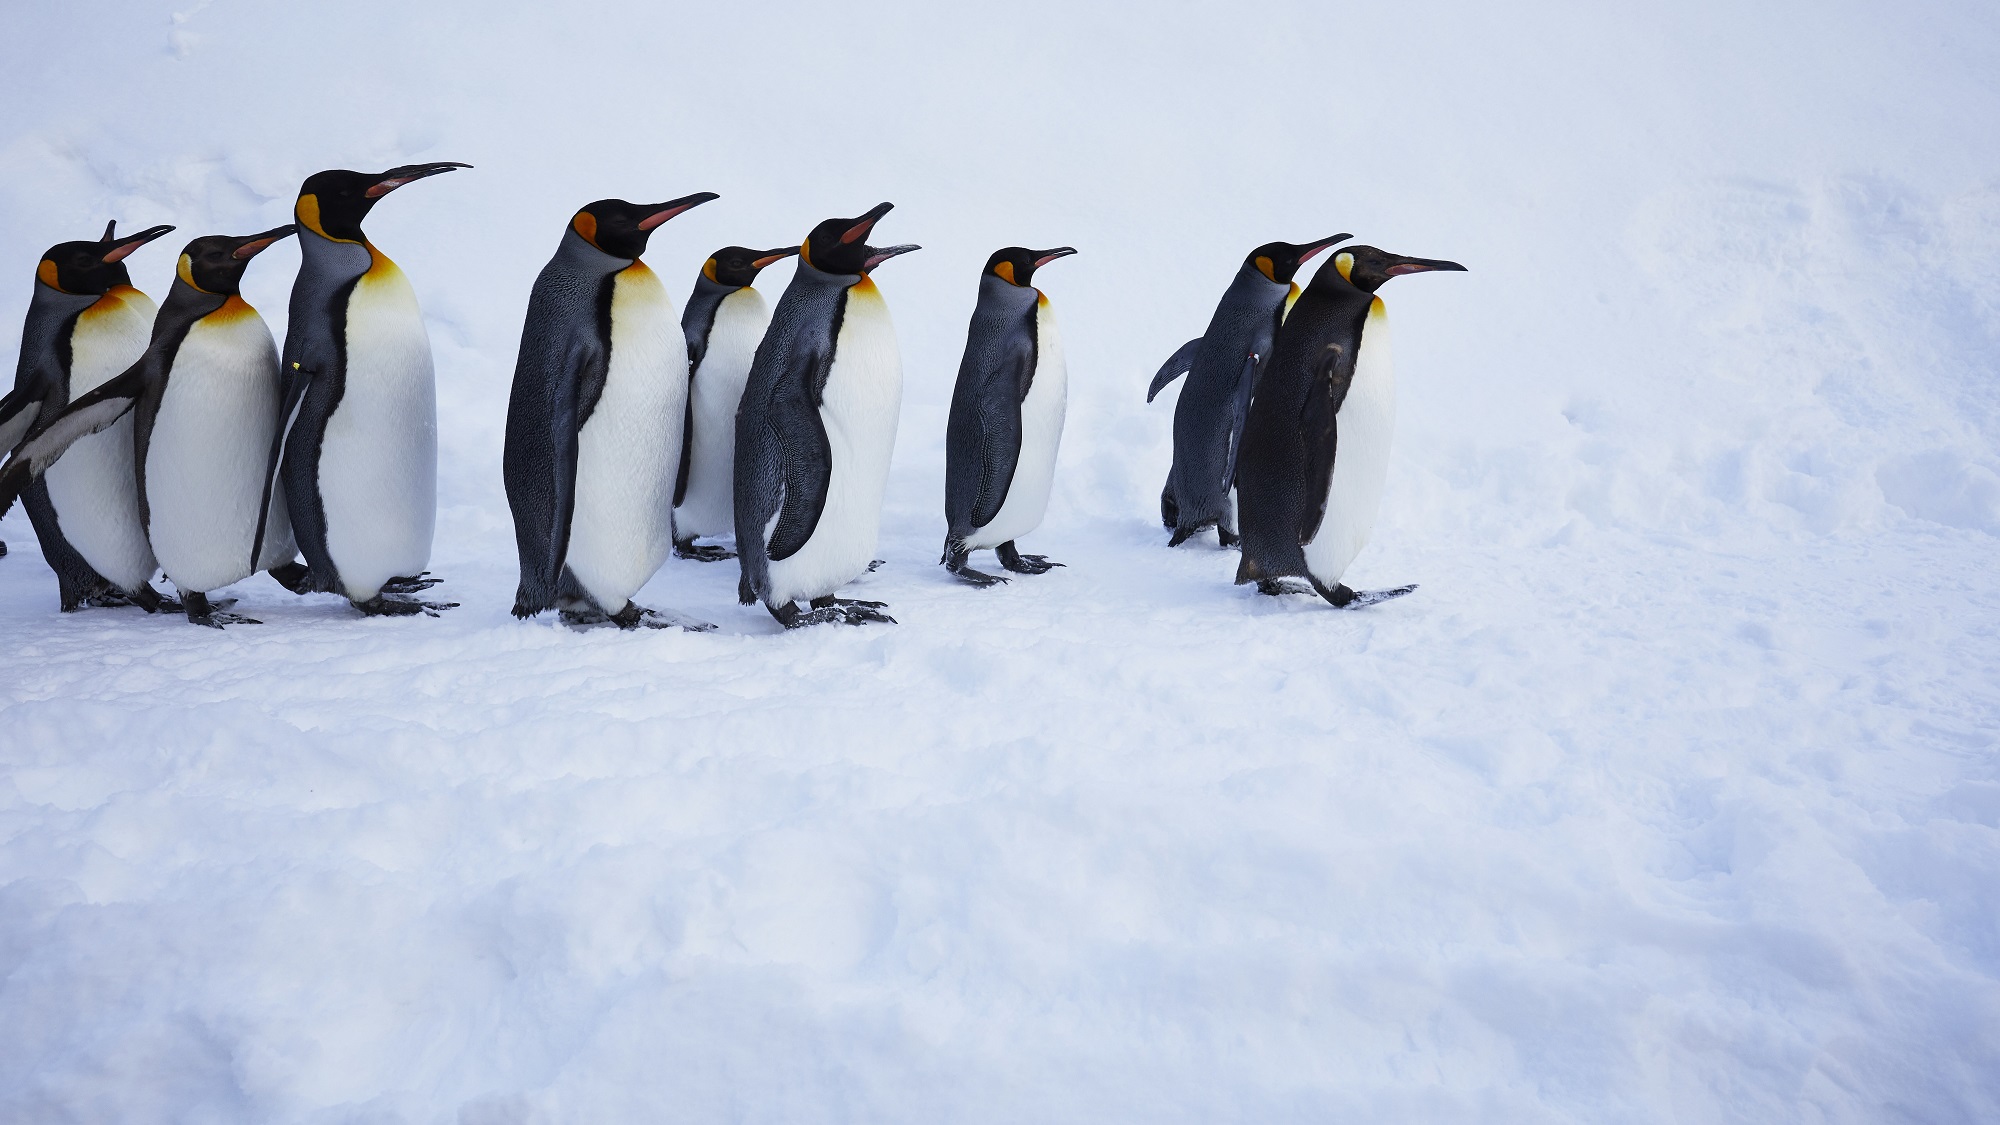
x,y
585,224
1345,264
1266,267
805,252
708,270
185,270
307,212
46,274
1005,272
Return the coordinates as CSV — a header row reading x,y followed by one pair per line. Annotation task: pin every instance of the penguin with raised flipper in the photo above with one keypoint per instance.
x,y
1316,446
1221,370
724,321
815,430
1006,419
357,458
85,324
204,400
594,422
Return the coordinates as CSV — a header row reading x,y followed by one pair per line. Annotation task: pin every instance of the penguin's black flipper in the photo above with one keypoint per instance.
x,y
18,411
1239,411
1319,430
90,413
296,378
1176,366
541,465
805,479
983,441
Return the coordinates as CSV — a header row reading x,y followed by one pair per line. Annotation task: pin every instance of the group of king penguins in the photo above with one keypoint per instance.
x,y
181,440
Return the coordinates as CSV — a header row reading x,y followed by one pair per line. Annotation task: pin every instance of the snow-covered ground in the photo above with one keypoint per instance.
x,y
1672,796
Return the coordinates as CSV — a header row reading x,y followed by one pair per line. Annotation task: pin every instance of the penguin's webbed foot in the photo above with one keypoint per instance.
x,y
636,616
829,609
1014,560
1274,587
689,549
384,605
876,564
1226,537
1170,511
104,597
1344,597
201,611
3,548
416,584
152,601
955,559
294,576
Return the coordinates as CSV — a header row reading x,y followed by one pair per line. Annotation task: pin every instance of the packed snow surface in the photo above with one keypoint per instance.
x,y
1671,796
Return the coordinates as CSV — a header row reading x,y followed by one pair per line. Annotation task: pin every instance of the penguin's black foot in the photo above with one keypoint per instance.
x,y
689,549
294,576
1227,537
410,585
3,549
636,616
1183,534
955,559
876,564
152,601
1273,587
1014,560
104,597
201,611
1170,512
384,605
1344,597
829,609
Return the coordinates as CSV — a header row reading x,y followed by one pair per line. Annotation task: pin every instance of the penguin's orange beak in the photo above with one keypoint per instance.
x,y
879,254
866,223
1422,265
1047,256
258,243
123,247
674,207
1313,248
407,174
770,256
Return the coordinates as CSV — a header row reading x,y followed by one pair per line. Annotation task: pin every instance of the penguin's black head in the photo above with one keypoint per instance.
x,y
92,269
1366,268
739,265
1016,265
333,203
841,245
621,229
1280,261
214,263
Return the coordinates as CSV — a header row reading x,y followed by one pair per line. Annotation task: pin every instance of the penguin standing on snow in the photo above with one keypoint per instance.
x,y
724,321
86,324
204,400
358,457
1006,419
815,430
594,422
1316,447
1221,366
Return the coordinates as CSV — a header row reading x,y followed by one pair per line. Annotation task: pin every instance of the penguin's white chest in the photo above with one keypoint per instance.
x,y
1364,425
94,487
205,460
864,395
1041,433
629,450
709,507
378,459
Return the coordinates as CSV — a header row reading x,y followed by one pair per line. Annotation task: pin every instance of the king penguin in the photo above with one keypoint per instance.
x,y
358,455
204,401
1006,419
1316,446
1221,368
85,324
594,422
724,321
815,431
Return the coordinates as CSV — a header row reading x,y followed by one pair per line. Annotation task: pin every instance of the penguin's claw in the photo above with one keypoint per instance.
x,y
875,565
1014,560
382,605
700,553
829,600
636,616
294,576
1227,538
217,619
977,578
108,597
828,609
416,584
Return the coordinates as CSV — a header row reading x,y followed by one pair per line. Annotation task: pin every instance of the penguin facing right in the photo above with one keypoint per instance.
x,y
204,406
724,321
1006,419
85,324
1316,446
357,456
1221,368
594,422
815,431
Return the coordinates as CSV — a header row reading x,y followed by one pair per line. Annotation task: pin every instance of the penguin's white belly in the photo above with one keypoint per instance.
x,y
378,459
709,507
629,450
94,487
205,461
864,394
1041,433
1364,425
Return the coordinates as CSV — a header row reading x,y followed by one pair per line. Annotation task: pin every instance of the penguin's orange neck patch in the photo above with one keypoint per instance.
x,y
637,269
380,264
1041,298
865,287
233,309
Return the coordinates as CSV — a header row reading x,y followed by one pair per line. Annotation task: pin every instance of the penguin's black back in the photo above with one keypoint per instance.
x,y
1209,410
983,431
